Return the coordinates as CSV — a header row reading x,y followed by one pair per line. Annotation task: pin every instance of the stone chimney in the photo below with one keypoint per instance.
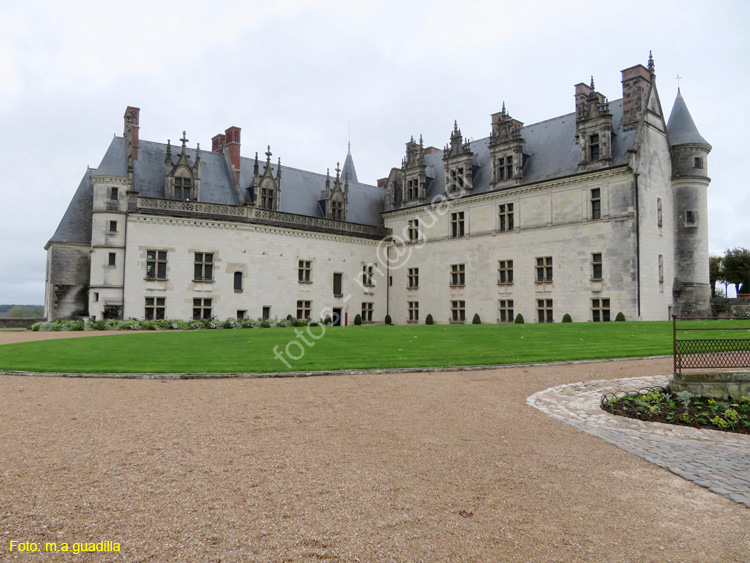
x,y
131,130
233,148
636,82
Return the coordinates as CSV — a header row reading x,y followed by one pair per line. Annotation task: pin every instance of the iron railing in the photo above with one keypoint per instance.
x,y
690,353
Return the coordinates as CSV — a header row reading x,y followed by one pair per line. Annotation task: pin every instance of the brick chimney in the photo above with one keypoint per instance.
x,y
636,82
131,129
233,147
217,143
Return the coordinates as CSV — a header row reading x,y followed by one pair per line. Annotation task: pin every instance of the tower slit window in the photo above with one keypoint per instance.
x,y
596,203
596,266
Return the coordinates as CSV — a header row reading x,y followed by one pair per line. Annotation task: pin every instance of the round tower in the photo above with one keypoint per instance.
x,y
691,289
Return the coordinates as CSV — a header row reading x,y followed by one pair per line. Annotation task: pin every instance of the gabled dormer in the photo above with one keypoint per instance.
x,y
336,197
458,163
181,179
593,127
414,173
267,186
506,149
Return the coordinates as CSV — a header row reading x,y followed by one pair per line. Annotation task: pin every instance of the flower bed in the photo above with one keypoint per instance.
x,y
657,404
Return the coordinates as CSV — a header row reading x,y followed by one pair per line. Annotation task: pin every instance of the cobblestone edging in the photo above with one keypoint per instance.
x,y
718,461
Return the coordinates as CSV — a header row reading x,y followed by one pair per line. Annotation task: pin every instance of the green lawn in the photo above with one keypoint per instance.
x,y
252,350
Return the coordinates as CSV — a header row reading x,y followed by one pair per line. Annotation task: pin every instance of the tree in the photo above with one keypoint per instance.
x,y
715,272
26,311
737,267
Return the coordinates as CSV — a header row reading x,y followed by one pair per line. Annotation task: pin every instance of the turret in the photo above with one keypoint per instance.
x,y
689,182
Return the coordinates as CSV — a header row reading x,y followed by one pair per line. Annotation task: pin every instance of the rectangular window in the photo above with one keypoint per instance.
x,y
600,310
266,312
96,296
304,271
505,309
156,264
112,256
413,278
303,309
337,211
596,266
544,269
266,198
155,308
458,275
504,168
367,312
457,224
505,272
413,311
697,162
596,204
113,193
505,214
204,266
238,281
413,230
113,226
241,315
594,147
658,212
182,188
368,279
544,310
508,167
201,309
337,285
661,268
458,311
690,217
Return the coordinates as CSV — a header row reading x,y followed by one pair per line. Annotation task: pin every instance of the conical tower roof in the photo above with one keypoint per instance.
x,y
681,127
348,169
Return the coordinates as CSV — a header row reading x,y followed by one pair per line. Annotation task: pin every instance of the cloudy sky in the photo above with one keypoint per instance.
x,y
295,73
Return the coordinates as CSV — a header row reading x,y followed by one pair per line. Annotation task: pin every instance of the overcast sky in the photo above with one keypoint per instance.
x,y
294,74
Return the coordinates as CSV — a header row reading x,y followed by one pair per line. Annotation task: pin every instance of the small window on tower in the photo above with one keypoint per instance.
x,y
697,162
690,217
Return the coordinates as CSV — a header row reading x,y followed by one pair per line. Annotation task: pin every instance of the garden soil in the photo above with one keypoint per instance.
x,y
420,467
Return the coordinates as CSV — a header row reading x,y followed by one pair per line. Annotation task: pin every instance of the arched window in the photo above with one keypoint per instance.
x,y
238,281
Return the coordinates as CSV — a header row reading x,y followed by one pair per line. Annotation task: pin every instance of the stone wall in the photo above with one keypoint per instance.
x,y
8,322
723,308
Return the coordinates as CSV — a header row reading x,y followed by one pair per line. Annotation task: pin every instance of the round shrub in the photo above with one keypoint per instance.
x,y
620,317
388,320
358,319
265,324
519,319
327,320
35,327
566,318
428,320
248,323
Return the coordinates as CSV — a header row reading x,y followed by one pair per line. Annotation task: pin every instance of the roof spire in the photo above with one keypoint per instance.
x,y
650,62
592,82
503,110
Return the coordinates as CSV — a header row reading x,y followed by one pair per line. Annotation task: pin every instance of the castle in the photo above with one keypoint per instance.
x,y
599,211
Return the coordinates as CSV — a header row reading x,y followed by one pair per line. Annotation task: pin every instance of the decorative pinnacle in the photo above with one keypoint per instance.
x,y
592,82
503,110
455,126
338,170
184,140
268,153
650,62
420,139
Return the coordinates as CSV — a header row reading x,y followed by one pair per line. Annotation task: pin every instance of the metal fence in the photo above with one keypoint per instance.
x,y
719,352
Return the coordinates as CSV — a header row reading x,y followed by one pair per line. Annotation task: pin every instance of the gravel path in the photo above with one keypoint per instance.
x,y
451,466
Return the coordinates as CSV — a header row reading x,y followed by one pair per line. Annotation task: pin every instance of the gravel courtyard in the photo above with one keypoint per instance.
x,y
451,466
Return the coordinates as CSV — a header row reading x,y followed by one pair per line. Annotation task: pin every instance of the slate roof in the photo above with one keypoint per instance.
x,y
349,166
551,146
681,127
75,226
300,189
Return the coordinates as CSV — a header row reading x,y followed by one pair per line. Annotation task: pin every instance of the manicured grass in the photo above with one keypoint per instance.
x,y
251,350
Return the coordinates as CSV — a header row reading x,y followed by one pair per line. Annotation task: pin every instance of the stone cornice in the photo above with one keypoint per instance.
x,y
202,222
503,193
119,180
250,214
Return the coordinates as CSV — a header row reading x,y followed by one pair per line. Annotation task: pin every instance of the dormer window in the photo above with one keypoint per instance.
x,y
182,188
593,148
337,211
412,189
266,198
504,170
